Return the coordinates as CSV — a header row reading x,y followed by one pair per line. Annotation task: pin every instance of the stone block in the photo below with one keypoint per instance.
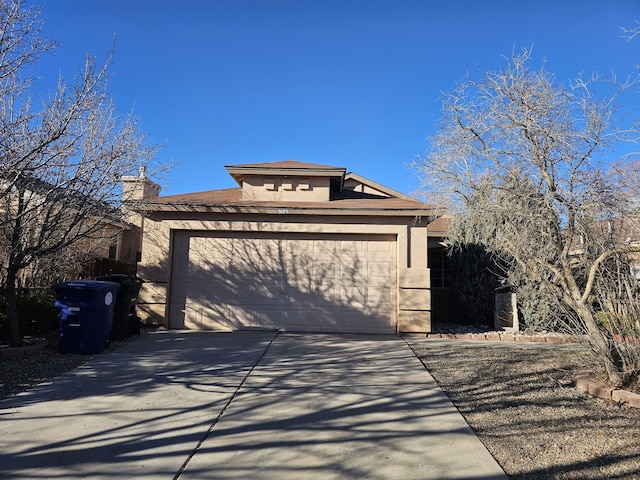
x,y
414,299
553,339
628,398
524,338
414,321
414,278
600,390
582,382
506,311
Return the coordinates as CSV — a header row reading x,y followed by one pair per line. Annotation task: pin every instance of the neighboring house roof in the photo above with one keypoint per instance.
x,y
439,227
371,199
66,197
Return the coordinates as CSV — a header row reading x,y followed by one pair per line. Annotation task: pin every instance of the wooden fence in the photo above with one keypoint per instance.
x,y
107,266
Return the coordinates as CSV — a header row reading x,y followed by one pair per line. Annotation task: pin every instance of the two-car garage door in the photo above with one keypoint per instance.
x,y
293,282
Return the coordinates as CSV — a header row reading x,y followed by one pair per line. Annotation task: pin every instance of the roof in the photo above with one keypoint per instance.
x,y
284,168
439,227
231,198
376,186
293,164
376,200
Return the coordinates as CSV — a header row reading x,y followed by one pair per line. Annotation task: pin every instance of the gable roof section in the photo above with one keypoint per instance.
x,y
365,182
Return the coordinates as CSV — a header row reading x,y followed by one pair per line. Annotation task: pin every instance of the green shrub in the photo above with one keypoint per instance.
x,y
37,312
474,281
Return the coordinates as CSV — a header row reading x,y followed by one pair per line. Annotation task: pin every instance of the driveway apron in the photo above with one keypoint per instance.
x,y
138,411
243,405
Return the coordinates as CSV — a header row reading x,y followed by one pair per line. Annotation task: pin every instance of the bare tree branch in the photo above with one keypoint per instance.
x,y
522,157
61,158
631,33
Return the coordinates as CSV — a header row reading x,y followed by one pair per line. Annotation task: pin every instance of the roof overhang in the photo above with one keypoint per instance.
x,y
238,172
287,210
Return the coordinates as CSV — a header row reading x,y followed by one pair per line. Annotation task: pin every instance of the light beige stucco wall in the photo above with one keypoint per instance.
x,y
289,189
414,294
413,313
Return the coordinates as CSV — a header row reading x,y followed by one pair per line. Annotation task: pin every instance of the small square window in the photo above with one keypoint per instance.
x,y
287,184
269,184
304,184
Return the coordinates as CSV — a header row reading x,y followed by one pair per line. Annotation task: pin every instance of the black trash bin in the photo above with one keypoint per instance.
x,y
86,315
124,310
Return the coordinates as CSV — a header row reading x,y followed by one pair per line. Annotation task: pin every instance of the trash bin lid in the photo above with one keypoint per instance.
x,y
93,292
86,285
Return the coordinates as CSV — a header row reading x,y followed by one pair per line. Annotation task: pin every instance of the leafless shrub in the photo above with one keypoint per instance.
x,y
62,156
524,162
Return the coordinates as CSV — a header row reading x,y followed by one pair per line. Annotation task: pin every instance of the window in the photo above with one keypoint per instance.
x,y
270,184
287,184
439,265
304,184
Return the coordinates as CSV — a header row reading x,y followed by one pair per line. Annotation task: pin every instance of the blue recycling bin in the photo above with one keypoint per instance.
x,y
86,315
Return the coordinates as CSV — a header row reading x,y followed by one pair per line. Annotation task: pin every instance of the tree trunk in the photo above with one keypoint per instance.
x,y
601,344
13,321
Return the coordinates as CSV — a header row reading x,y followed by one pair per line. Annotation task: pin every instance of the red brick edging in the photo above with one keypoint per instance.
x,y
605,392
505,337
582,382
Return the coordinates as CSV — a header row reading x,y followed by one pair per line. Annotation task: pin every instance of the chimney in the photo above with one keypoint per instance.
x,y
134,189
139,188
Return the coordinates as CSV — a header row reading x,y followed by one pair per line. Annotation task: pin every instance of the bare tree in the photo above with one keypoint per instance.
x,y
523,160
631,33
62,156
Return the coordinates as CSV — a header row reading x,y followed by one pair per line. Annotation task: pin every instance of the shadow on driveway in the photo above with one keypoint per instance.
x,y
243,405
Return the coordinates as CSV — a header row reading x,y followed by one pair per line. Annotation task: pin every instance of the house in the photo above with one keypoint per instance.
x,y
296,247
52,232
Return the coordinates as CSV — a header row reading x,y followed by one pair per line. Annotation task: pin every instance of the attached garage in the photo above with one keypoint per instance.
x,y
293,282
297,247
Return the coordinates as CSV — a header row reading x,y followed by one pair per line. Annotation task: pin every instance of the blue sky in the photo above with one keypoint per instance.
x,y
350,83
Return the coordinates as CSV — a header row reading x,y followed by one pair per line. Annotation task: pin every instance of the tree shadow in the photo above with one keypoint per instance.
x,y
292,282
239,405
522,399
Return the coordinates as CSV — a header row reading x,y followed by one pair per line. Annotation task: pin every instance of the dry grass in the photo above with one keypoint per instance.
x,y
521,402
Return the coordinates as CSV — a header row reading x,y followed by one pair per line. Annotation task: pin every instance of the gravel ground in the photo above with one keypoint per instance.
x,y
520,400
518,397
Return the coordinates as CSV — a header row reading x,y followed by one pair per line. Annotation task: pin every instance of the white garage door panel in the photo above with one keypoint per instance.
x,y
328,283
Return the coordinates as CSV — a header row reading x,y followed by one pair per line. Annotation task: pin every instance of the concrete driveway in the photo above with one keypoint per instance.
x,y
243,405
